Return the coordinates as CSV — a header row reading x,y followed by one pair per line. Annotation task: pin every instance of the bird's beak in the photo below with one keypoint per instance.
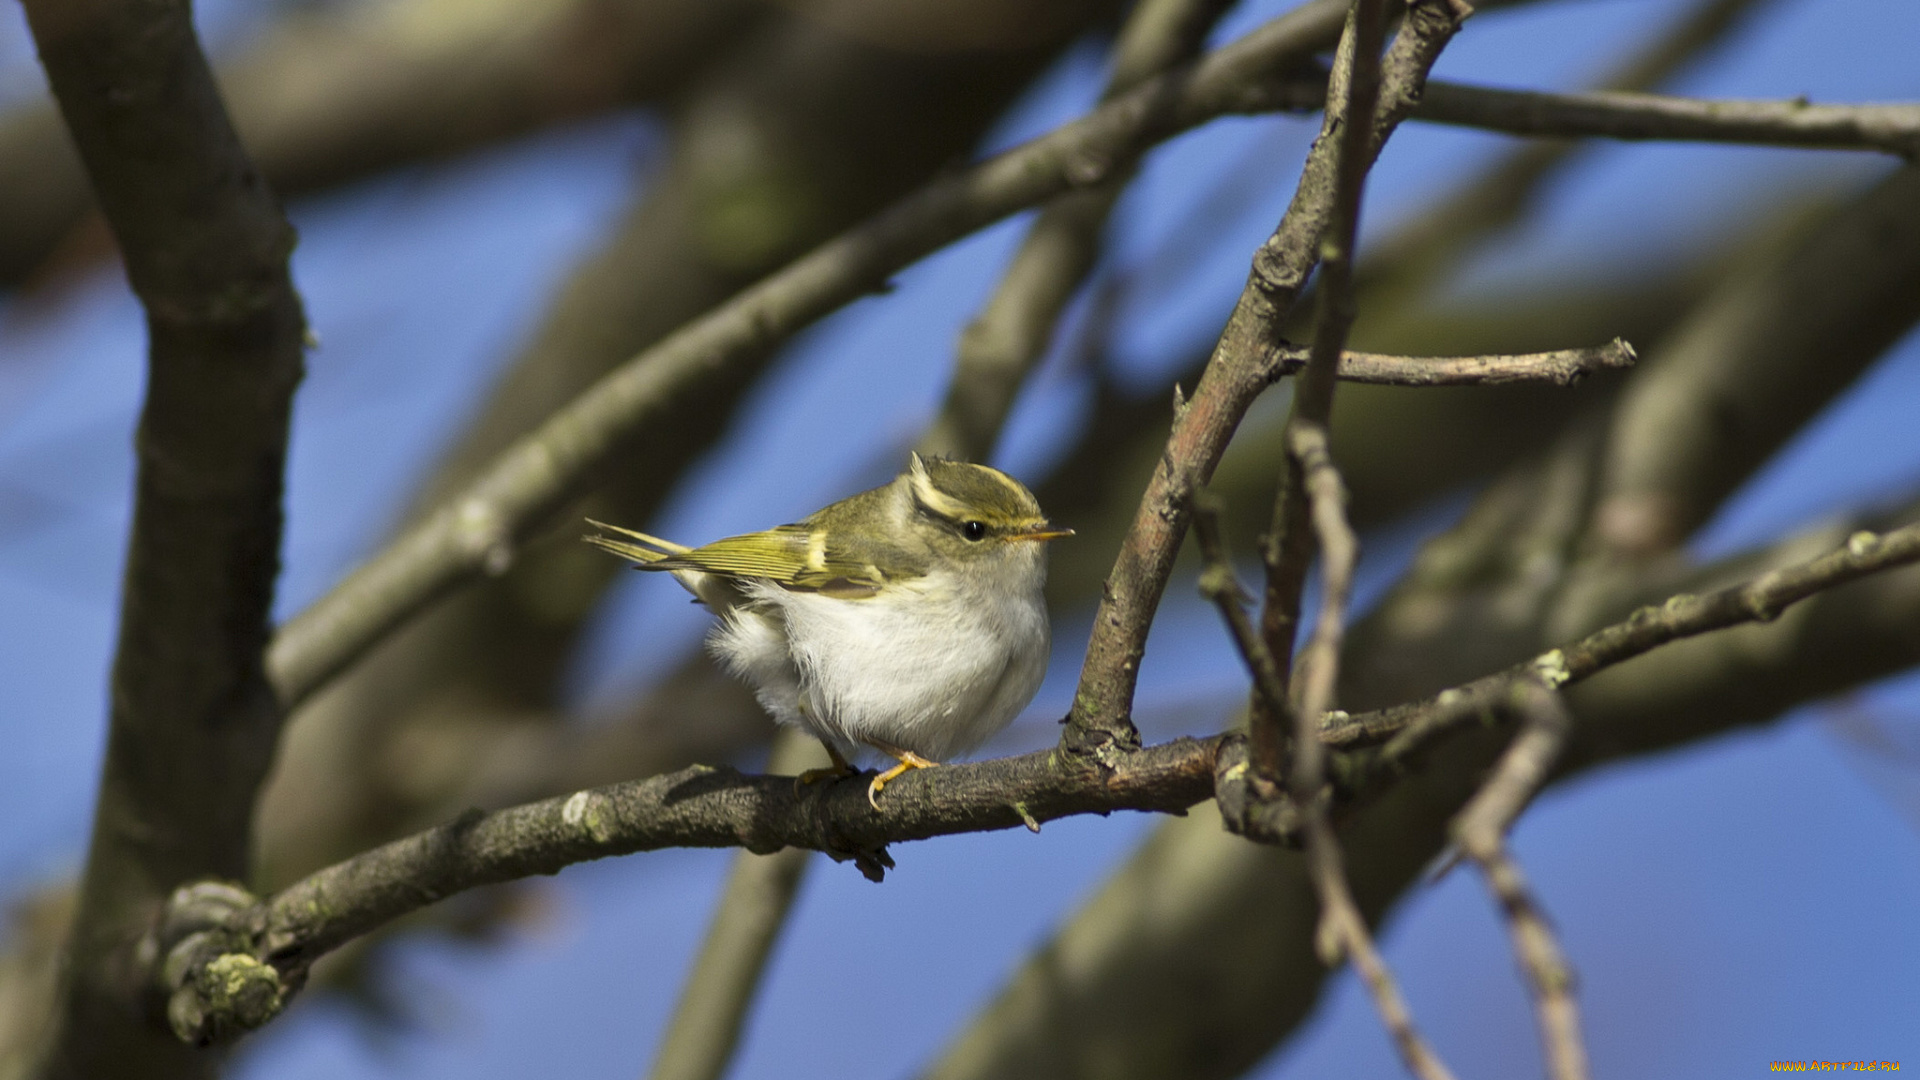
x,y
1042,532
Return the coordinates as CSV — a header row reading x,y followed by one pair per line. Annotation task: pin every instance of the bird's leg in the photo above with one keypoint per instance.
x,y
838,769
908,761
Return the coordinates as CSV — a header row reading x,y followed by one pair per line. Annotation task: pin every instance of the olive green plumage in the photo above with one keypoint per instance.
x,y
853,548
908,619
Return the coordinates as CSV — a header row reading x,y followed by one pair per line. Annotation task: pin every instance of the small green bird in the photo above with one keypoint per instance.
x,y
907,619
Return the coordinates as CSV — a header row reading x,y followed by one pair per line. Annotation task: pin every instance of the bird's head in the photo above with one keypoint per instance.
x,y
975,514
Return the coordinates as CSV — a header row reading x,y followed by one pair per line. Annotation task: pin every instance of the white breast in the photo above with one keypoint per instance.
x,y
937,667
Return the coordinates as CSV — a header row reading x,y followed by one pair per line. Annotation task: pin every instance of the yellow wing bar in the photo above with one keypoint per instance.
x,y
795,556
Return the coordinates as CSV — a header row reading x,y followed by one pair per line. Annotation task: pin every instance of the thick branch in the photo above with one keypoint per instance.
x,y
700,806
703,806
193,720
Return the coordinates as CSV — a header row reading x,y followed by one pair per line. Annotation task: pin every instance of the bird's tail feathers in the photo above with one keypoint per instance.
x,y
649,550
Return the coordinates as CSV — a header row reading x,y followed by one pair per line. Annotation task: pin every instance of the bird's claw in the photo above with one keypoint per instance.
x,y
909,761
815,776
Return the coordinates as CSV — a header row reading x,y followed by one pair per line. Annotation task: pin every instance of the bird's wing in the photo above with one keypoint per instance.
x,y
796,557
649,550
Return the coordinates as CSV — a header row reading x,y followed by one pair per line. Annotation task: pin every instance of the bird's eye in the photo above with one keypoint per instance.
x,y
974,530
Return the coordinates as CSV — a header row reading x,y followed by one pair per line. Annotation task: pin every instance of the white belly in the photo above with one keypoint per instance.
x,y
937,670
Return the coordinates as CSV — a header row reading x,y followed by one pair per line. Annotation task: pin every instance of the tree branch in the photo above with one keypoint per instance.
x,y
1287,548
699,806
193,721
1561,367
1220,585
1099,725
1612,114
1407,728
1311,491
1343,929
1481,828
1196,907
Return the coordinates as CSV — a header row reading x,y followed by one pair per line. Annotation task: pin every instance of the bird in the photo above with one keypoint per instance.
x,y
908,619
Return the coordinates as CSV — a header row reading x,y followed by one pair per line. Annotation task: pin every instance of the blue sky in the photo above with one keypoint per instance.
x,y
1728,904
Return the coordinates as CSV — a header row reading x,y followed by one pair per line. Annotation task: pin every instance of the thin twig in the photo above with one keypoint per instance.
x,y
1409,727
1339,551
1610,114
1341,920
1219,584
1352,90
1311,489
1480,829
1562,367
1892,128
1343,930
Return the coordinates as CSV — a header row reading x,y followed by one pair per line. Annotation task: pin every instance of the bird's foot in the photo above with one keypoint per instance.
x,y
836,771
909,761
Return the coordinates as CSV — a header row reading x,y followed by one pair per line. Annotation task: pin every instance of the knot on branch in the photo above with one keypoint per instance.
x,y
1088,740
207,943
1251,805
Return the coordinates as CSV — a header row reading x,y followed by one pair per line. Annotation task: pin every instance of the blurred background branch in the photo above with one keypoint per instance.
x,y
336,93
